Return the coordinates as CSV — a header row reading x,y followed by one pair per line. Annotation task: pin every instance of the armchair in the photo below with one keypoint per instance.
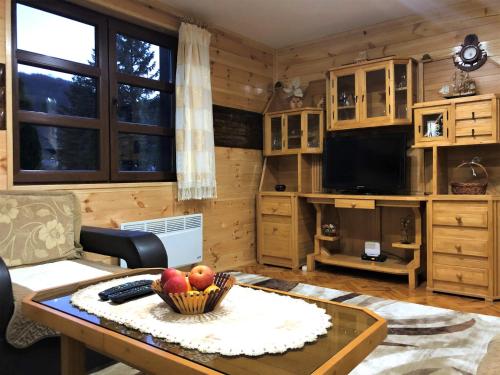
x,y
138,249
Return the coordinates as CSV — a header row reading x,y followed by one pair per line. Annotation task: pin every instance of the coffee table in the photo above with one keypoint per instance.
x,y
355,333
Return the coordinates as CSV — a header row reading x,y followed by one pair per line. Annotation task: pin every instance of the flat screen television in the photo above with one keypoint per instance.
x,y
366,162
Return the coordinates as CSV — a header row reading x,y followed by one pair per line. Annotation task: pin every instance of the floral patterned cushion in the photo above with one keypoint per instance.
x,y
37,227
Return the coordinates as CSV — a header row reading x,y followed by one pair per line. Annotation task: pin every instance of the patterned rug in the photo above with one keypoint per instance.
x,y
421,340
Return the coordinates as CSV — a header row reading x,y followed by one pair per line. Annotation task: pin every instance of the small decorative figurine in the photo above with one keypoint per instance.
x,y
405,229
294,93
329,230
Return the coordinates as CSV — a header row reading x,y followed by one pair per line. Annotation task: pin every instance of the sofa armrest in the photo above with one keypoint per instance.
x,y
138,249
6,298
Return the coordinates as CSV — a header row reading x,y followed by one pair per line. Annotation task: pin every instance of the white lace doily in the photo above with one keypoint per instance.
x,y
248,321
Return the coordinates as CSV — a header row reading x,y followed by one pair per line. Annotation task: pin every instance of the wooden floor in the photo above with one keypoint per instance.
x,y
380,285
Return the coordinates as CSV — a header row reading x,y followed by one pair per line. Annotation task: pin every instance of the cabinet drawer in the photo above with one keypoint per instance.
x,y
474,130
466,214
462,275
460,261
473,110
461,241
366,204
276,206
276,239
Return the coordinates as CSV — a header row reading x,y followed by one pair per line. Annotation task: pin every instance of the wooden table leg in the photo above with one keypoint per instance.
x,y
72,356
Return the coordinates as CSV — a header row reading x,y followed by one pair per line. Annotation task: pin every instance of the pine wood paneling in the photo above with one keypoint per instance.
x,y
242,69
229,221
242,72
436,32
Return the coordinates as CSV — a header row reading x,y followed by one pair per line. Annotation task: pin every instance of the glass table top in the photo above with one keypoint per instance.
x,y
348,324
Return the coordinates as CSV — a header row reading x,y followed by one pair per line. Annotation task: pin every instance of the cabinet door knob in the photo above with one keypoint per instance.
x,y
473,115
459,248
275,229
473,131
458,219
459,276
353,205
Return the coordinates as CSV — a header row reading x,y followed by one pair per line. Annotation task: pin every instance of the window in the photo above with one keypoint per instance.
x,y
93,97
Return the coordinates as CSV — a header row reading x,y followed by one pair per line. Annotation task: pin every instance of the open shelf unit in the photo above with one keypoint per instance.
x,y
391,265
360,219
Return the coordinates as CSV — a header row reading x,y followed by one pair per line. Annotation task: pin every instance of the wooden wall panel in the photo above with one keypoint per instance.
x,y
229,221
435,32
242,72
242,69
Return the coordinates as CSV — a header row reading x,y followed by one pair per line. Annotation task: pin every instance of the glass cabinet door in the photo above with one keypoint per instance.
x,y
346,98
313,130
400,91
276,134
375,96
431,124
294,133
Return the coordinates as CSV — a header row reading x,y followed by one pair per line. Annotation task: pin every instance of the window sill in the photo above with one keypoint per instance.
x,y
111,185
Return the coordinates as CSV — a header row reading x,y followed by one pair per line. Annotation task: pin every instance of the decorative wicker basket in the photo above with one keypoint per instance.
x,y
186,304
478,187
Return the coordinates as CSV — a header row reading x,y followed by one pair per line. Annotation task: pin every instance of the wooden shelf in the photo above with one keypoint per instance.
x,y
326,238
391,265
399,245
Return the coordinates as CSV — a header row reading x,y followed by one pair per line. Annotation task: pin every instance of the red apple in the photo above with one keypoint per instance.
x,y
201,277
176,284
168,273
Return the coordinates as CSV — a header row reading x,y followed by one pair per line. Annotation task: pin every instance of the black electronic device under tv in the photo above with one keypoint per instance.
x,y
366,161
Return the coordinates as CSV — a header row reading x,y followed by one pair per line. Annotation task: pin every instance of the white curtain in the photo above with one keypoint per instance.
x,y
194,132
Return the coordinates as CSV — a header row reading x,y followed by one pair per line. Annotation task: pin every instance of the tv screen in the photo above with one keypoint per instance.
x,y
366,161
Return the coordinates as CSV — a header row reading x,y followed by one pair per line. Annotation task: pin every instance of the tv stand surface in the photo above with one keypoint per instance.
x,y
367,202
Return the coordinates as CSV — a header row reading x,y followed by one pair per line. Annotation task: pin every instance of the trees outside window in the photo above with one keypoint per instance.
x,y
99,109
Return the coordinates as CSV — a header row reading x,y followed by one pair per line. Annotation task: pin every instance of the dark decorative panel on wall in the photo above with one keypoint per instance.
x,y
237,128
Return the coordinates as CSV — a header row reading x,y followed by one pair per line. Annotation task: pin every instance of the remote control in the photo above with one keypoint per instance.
x,y
129,294
104,295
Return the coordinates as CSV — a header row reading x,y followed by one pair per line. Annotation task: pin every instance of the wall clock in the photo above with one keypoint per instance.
x,y
470,56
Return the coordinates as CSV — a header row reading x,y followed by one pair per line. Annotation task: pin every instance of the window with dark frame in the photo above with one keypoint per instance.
x,y
94,97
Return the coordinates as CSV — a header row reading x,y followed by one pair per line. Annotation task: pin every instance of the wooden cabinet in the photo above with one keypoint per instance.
x,y
285,229
432,125
374,93
461,243
461,121
293,131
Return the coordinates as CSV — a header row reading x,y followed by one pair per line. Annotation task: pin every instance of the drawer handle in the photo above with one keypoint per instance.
x,y
275,230
458,219
459,276
473,116
459,248
274,209
473,131
353,205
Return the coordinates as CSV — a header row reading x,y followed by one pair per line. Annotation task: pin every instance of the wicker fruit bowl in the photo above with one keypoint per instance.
x,y
197,303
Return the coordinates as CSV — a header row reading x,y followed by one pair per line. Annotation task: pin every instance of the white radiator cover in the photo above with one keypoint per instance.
x,y
182,237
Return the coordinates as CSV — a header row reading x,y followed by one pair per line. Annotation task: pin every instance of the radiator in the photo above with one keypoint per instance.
x,y
182,237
